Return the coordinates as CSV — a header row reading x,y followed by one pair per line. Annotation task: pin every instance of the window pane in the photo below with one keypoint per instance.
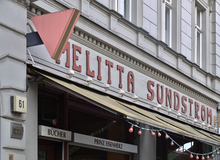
x,y
167,26
168,0
198,18
121,7
82,153
116,5
127,9
198,48
42,155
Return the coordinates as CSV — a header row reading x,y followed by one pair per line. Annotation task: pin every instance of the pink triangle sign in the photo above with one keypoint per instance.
x,y
55,29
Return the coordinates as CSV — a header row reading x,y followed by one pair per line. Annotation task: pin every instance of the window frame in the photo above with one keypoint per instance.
x,y
167,4
124,8
198,30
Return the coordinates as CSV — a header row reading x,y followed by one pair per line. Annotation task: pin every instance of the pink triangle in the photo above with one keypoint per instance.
x,y
52,27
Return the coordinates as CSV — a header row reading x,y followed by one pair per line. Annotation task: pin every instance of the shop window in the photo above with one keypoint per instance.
x,y
42,155
48,109
167,21
49,150
124,8
89,124
86,119
198,36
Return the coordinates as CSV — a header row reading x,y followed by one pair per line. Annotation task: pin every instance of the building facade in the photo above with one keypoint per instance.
x,y
136,80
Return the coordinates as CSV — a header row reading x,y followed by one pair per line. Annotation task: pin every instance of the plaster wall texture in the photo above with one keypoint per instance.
x,y
150,17
215,39
32,122
13,20
186,29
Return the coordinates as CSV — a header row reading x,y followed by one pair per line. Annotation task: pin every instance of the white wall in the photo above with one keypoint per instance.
x,y
150,16
186,48
13,20
32,122
215,39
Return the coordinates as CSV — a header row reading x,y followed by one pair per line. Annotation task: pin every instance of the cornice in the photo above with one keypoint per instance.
x,y
23,3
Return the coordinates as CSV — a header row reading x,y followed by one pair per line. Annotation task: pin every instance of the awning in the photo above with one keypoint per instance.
x,y
172,125
134,112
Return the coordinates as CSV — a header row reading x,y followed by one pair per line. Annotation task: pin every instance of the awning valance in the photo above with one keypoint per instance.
x,y
136,113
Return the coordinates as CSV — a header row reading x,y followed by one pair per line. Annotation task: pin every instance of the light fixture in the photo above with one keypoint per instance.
x,y
215,129
135,98
195,120
53,121
70,73
152,133
158,134
191,156
139,132
158,106
171,143
207,157
106,87
212,155
197,157
187,118
209,126
203,124
179,150
131,128
178,114
169,111
121,93
88,80
166,136
203,158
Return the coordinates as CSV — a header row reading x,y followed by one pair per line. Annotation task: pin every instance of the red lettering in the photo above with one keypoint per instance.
x,y
110,65
88,71
169,97
203,115
209,115
75,57
131,81
184,104
190,105
99,77
121,70
159,100
149,84
67,49
176,98
196,110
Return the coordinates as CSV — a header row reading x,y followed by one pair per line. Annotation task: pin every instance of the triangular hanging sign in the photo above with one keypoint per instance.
x,y
55,29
